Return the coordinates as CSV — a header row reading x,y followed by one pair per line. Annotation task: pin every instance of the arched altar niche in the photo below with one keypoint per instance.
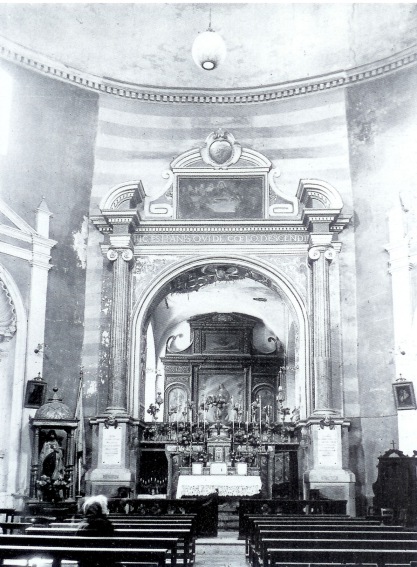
x,y
295,358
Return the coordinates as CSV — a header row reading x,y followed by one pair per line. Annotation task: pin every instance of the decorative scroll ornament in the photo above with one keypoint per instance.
x,y
170,343
221,149
276,207
315,252
7,314
162,206
112,255
127,255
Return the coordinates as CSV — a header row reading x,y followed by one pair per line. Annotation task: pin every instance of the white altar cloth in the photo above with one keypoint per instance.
x,y
232,485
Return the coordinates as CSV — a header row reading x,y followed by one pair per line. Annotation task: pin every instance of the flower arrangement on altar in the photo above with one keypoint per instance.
x,y
53,490
185,439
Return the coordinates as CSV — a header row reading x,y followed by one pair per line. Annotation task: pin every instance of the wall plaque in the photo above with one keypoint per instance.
x,y
112,446
327,447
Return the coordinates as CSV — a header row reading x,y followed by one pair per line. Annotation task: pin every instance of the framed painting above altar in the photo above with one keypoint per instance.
x,y
220,197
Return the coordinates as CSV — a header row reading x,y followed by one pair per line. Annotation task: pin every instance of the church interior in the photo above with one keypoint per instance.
x,y
208,292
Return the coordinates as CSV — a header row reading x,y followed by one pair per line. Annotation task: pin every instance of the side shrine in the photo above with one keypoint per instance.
x,y
224,360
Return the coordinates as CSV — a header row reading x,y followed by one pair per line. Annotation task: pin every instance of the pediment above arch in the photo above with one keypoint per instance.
x,y
217,186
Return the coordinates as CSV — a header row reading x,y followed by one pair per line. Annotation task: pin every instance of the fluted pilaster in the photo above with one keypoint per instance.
x,y
117,393
320,258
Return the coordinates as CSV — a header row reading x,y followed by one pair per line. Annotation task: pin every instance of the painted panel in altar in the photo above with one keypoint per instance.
x,y
218,341
226,385
177,404
221,197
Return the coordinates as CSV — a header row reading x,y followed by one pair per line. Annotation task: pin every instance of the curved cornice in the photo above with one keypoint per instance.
x,y
344,78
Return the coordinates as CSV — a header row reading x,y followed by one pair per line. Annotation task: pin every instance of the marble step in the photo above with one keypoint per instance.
x,y
228,524
228,519
220,548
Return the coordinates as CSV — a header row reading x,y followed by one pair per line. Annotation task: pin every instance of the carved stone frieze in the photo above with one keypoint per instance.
x,y
176,379
295,268
146,268
177,369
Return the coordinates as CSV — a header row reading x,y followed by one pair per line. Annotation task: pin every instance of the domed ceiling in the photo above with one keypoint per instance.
x,y
150,44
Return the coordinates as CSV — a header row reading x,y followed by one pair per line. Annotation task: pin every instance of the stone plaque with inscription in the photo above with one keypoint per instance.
x,y
112,446
327,447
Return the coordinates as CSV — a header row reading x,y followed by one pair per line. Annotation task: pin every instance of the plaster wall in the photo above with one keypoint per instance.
x,y
383,144
50,154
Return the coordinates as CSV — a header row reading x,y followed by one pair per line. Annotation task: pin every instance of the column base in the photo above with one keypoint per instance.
x,y
329,473
334,484
107,481
114,455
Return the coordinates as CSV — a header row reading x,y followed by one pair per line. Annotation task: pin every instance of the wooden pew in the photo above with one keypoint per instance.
x,y
205,508
381,544
68,552
340,556
184,548
152,521
251,522
11,527
304,530
245,519
168,544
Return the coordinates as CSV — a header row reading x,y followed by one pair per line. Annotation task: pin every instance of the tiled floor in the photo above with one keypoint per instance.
x,y
224,551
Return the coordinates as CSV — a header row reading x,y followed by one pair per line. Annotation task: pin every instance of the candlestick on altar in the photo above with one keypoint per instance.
x,y
177,409
204,418
260,411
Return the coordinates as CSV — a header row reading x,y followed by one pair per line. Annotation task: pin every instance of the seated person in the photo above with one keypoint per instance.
x,y
96,523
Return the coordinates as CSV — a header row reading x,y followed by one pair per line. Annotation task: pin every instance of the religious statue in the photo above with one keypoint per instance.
x,y
51,462
220,403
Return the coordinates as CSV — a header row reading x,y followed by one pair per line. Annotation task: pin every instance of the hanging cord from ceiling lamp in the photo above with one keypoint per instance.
x,y
209,49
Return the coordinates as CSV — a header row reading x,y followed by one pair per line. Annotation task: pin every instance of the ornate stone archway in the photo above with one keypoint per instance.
x,y
222,204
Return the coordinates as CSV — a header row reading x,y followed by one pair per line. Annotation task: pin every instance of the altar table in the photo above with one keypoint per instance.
x,y
227,485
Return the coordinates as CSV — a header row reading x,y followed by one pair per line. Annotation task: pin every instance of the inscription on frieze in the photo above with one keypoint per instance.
x,y
282,238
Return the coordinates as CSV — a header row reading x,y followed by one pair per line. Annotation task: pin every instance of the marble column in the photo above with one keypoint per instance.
x,y
320,257
117,393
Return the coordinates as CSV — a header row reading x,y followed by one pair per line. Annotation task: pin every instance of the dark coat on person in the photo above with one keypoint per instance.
x,y
96,524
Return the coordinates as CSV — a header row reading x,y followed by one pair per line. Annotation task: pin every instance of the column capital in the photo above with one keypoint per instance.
x,y
114,253
315,252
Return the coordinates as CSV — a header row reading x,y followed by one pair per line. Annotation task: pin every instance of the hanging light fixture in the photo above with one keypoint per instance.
x,y
209,49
